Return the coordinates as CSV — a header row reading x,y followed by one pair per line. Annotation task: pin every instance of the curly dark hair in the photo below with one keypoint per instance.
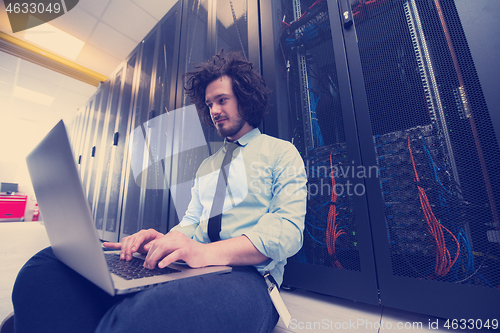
x,y
248,86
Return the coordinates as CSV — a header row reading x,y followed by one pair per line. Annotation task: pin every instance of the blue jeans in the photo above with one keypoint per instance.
x,y
48,296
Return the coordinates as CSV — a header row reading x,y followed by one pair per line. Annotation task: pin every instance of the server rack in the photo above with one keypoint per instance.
x,y
337,256
422,121
97,144
137,197
439,213
207,27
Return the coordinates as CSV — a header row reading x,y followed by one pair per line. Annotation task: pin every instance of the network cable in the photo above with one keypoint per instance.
x,y
444,262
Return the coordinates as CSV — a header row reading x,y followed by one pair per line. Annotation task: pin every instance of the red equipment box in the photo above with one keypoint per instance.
x,y
12,206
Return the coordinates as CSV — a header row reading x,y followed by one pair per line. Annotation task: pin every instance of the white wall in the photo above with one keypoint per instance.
x,y
17,142
24,121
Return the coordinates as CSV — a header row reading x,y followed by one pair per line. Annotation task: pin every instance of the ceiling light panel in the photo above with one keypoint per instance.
x,y
54,40
39,86
70,96
7,76
156,9
94,7
106,64
121,13
5,94
32,96
8,61
44,75
76,22
115,43
78,87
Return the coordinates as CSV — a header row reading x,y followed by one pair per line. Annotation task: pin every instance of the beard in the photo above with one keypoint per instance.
x,y
228,131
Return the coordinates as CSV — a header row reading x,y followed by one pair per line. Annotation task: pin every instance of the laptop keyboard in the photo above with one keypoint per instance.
x,y
134,268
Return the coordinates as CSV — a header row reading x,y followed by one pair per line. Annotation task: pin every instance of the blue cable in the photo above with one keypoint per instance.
x,y
317,241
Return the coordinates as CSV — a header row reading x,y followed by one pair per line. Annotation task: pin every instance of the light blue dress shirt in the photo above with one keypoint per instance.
x,y
265,199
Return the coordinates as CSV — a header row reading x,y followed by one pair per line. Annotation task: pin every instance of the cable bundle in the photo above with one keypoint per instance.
x,y
443,256
331,230
363,7
306,28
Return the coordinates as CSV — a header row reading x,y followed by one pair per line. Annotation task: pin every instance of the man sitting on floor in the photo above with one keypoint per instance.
x,y
259,226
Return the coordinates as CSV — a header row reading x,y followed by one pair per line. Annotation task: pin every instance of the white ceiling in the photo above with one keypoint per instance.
x,y
111,29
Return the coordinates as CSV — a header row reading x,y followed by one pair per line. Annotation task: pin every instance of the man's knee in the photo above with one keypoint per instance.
x,y
30,273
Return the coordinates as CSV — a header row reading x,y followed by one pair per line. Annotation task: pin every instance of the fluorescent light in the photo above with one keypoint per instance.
x,y
32,96
54,40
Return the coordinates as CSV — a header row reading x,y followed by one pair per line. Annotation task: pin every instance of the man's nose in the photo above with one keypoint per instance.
x,y
215,110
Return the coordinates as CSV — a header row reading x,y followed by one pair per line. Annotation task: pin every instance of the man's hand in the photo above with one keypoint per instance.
x,y
162,250
138,242
177,246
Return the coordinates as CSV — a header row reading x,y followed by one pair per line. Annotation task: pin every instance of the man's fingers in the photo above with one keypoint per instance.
x,y
124,248
158,250
111,245
148,245
154,254
132,244
128,243
174,256
169,248
136,244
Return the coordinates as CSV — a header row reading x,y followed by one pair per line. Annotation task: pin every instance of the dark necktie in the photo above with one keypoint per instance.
x,y
214,222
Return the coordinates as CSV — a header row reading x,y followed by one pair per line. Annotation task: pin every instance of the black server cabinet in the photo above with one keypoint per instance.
x,y
231,26
157,195
81,134
424,121
83,144
207,27
75,128
101,109
114,145
193,40
86,161
88,181
407,98
310,71
133,205
85,135
72,131
145,198
152,185
104,159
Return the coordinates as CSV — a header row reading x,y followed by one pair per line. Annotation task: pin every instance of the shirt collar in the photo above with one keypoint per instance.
x,y
245,139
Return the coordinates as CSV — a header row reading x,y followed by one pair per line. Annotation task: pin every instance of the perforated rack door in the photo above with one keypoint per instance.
x,y
317,115
425,122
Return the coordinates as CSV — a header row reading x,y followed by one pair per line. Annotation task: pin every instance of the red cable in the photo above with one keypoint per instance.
x,y
360,10
283,23
443,256
310,7
331,230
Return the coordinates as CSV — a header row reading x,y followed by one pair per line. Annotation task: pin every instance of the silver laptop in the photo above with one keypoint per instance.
x,y
70,228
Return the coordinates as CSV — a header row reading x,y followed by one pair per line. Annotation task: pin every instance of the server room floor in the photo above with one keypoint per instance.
x,y
310,312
